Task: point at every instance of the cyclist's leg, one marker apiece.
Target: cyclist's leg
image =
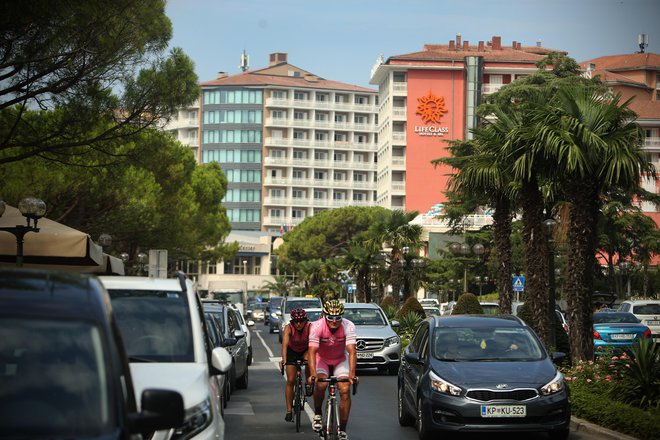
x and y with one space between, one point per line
341 371
319 391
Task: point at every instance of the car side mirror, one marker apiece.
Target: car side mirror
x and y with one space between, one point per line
160 409
238 334
229 342
250 323
558 356
394 323
220 361
413 358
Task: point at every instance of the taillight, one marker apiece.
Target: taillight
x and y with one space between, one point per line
647 333
597 335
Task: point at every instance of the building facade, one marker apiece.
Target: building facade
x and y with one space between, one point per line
291 144
430 97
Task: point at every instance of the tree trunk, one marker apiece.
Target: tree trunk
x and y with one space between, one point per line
536 260
580 264
502 237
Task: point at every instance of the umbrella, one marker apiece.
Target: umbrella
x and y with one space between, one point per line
56 246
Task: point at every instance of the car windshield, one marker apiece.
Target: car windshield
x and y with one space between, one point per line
615 318
313 315
258 306
646 309
155 324
304 304
488 344
53 381
359 316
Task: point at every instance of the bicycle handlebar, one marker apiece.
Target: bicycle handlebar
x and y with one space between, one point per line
297 362
334 379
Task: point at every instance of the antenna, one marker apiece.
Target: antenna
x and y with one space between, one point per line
643 42
245 61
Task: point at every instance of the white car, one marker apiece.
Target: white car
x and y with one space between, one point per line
160 321
245 327
293 302
647 311
429 302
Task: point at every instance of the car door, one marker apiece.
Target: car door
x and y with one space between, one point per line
240 350
412 371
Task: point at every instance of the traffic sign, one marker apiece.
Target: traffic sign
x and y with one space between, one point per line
519 283
350 288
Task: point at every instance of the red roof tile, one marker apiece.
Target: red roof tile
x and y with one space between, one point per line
633 61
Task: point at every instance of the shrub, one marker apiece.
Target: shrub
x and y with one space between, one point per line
407 324
467 304
412 305
388 301
641 384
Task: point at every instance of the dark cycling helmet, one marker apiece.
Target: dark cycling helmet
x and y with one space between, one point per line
333 308
298 314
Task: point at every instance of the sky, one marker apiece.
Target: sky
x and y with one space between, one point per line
340 40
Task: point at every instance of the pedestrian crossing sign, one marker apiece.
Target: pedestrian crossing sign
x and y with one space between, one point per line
519 283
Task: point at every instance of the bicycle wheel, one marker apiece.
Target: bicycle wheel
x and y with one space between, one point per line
331 430
297 407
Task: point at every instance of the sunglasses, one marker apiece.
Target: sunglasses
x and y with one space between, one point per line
333 318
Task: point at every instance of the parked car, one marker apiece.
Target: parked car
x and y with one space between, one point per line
245 326
647 311
617 331
273 313
162 324
431 302
221 384
560 315
293 302
377 343
490 307
431 311
462 373
235 341
64 372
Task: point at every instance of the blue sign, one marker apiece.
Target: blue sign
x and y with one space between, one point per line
519 283
350 288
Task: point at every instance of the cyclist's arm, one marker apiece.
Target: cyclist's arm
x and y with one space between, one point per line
311 362
286 334
352 361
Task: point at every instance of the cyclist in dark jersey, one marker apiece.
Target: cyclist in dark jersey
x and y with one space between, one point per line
295 340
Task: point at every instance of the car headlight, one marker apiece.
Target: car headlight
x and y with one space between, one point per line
442 386
273 315
554 386
394 340
196 420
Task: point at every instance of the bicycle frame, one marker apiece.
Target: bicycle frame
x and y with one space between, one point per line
298 391
331 428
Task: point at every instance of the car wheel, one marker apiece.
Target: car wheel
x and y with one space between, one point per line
422 424
405 418
242 382
249 358
559 435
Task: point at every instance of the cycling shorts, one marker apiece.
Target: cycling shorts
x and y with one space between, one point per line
340 366
292 356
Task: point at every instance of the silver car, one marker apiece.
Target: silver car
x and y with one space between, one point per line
377 345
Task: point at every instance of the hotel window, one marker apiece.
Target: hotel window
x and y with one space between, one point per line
361 138
320 195
297 213
338 195
319 175
299 154
279 94
359 119
320 155
361 99
340 117
321 97
297 134
358 197
321 117
340 98
278 114
273 173
298 174
340 137
359 177
276 213
300 116
298 194
340 176
339 157
276 193
277 153
321 136
300 96
358 157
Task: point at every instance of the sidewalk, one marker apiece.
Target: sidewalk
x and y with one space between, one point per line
579 425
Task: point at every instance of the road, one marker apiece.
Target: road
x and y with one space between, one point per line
258 412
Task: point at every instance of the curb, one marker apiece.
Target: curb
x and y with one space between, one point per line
580 425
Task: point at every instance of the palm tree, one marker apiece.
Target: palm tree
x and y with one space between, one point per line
394 231
280 287
595 146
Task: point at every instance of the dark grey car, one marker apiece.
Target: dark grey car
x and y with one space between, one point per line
483 373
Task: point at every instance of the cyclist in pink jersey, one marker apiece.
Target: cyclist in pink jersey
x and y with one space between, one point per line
332 352
295 340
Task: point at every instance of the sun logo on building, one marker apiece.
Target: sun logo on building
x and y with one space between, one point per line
431 108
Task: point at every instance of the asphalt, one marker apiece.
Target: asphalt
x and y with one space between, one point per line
579 425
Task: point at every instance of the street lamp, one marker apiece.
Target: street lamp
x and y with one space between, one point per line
481 281
549 224
458 249
142 259
625 269
105 240
245 267
32 209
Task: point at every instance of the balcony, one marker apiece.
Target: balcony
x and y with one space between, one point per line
652 143
399 137
487 89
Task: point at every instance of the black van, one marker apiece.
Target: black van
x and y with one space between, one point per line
63 369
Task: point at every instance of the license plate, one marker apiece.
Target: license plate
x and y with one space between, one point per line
363 355
503 410
653 322
622 336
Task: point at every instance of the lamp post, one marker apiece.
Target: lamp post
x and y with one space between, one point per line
625 269
245 267
481 281
105 240
32 209
142 259
462 251
549 225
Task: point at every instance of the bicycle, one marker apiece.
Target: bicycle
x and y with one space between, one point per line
330 431
298 390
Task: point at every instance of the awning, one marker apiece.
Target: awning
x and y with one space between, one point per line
55 246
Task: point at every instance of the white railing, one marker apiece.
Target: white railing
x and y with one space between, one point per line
487 89
400 86
652 142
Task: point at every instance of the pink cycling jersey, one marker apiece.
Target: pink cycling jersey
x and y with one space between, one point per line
331 346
